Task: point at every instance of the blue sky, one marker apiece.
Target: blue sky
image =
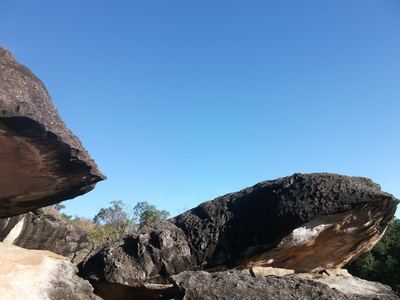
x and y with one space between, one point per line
180 102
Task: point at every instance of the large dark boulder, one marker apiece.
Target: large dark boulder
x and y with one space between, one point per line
137 260
304 222
42 162
44 230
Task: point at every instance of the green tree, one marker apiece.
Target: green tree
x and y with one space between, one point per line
68 218
148 214
59 206
117 220
382 263
113 222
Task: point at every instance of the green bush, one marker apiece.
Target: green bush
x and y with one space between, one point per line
382 263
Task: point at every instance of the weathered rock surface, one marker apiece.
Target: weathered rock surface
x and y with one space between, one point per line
356 288
304 222
243 285
40 275
50 232
42 162
352 287
137 260
227 285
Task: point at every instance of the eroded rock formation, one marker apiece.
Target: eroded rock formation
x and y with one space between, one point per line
40 275
44 230
230 285
42 162
352 287
301 223
241 285
304 222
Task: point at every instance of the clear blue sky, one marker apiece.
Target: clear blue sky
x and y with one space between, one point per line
183 101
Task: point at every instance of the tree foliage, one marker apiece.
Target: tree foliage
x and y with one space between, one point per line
59 206
148 214
382 263
117 220
114 222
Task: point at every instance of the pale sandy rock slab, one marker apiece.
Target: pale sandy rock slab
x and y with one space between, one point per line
269 271
356 288
42 162
40 275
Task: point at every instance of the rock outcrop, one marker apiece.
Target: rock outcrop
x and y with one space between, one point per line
356 288
304 222
42 162
352 287
241 286
245 285
44 230
40 275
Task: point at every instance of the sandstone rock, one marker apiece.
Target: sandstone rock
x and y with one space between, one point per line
229 286
304 222
40 275
50 232
356 288
42 162
136 260
269 271
324 274
232 285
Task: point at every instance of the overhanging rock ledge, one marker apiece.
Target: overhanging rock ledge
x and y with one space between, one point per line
42 161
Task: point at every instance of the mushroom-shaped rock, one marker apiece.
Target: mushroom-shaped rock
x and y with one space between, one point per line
42 162
304 222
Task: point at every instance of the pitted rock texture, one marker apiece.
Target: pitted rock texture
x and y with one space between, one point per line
235 285
352 287
266 224
304 222
356 288
44 230
42 162
228 285
136 260
40 275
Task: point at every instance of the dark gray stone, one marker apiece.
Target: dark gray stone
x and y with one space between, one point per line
239 285
238 229
157 252
42 162
304 222
230 286
44 230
